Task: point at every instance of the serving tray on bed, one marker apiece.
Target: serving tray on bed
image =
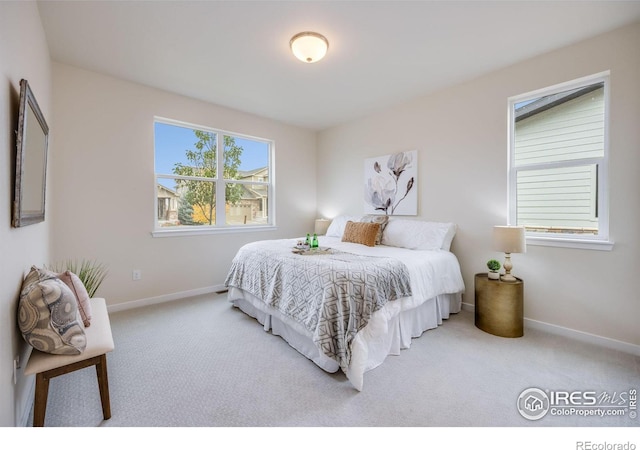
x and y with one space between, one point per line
313 251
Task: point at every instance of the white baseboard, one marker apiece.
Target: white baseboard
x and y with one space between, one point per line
165 298
581 336
468 307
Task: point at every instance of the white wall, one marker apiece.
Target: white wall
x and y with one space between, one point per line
103 198
23 54
461 136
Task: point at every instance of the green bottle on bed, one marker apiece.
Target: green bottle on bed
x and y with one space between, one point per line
307 242
314 243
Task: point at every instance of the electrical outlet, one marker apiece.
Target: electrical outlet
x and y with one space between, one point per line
137 275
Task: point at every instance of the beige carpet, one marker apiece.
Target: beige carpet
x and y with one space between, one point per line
199 362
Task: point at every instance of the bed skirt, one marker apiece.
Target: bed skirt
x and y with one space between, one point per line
389 330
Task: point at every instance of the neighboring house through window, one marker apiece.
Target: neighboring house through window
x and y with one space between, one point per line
210 180
558 159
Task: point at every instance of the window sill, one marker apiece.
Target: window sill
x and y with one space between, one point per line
585 244
205 231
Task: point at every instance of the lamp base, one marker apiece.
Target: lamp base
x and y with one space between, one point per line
507 269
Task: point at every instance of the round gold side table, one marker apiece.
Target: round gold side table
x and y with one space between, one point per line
499 306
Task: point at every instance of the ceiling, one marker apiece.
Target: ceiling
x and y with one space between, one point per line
236 53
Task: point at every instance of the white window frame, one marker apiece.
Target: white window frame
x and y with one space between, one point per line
600 241
219 186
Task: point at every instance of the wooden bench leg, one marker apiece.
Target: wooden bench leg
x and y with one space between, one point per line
103 384
40 401
42 386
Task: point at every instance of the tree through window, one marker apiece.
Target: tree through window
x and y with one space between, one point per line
200 183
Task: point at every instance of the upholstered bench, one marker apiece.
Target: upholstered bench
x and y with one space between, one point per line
46 366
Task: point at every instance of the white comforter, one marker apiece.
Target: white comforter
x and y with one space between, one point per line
433 272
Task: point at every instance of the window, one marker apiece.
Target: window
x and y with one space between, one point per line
558 158
209 180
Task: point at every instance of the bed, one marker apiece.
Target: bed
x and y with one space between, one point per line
347 306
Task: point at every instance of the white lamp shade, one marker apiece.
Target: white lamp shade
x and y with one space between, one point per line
309 47
322 225
509 239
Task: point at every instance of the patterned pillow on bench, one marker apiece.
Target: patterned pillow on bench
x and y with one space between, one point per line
48 315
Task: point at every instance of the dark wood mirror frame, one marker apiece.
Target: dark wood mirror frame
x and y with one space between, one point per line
31 161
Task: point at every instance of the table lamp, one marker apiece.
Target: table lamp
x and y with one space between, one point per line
509 239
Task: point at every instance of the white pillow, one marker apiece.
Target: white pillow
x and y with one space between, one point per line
418 234
338 224
449 235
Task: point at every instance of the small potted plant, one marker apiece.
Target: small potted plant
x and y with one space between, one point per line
494 266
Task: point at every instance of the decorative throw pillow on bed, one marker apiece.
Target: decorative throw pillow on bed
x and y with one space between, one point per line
48 315
361 233
338 224
79 291
377 218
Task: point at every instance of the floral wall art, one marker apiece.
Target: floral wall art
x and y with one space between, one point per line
390 184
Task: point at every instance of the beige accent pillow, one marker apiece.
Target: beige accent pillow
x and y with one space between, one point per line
377 218
361 233
336 227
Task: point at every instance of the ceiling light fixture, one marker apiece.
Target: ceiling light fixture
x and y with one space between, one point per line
308 46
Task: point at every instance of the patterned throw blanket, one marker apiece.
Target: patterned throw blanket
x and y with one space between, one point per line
332 294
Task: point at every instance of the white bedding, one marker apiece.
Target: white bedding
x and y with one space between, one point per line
436 286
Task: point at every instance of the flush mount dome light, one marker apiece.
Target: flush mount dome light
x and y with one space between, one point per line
308 46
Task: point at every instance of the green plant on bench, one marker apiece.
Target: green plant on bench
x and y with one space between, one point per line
91 273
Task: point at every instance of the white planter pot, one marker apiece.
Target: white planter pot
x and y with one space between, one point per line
494 275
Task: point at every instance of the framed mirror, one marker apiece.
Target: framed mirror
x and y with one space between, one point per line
31 161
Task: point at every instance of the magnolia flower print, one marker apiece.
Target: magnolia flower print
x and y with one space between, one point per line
381 191
398 163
